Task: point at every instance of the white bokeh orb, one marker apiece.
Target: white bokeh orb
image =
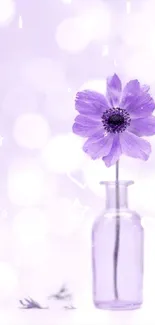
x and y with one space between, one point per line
139 65
140 59
67 216
25 182
136 169
67 1
71 36
44 74
144 32
139 198
96 21
63 153
7 11
98 85
96 16
8 280
30 251
95 171
30 226
31 131
91 23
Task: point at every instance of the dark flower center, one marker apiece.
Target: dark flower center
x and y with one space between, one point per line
115 120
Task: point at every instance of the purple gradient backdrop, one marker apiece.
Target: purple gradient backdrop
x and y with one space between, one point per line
49 190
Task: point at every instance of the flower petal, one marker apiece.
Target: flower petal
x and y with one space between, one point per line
145 88
101 133
87 121
91 103
115 152
131 88
86 130
143 126
98 148
139 106
135 147
114 89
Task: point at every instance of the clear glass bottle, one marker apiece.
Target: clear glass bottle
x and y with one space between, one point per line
117 287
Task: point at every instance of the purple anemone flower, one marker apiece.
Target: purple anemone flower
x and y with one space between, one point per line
114 124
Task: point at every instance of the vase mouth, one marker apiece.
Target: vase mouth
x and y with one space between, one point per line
113 183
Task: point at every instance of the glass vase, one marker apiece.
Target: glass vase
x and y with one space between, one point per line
117 253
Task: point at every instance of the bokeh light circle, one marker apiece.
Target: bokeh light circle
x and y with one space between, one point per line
31 225
25 182
95 171
31 131
63 153
71 36
98 85
7 11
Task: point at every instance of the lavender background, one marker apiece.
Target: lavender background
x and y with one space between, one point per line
49 189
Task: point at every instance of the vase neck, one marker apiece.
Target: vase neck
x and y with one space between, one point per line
117 194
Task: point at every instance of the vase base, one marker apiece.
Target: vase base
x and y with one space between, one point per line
117 305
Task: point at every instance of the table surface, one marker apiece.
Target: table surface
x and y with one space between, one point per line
14 316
